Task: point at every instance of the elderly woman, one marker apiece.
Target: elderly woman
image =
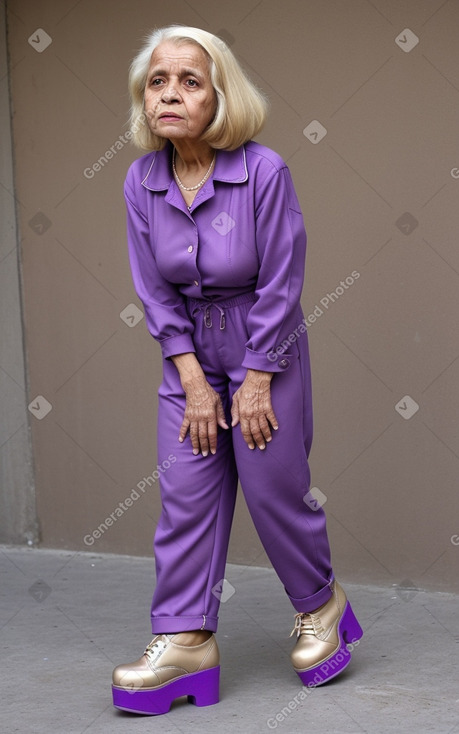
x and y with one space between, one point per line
217 248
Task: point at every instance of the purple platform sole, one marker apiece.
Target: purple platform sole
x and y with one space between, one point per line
349 632
202 689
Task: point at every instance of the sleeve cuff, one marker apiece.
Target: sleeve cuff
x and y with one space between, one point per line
177 345
267 362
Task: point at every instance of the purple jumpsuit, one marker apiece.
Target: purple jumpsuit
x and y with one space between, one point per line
223 278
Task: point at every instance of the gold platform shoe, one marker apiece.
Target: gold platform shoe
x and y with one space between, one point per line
166 671
325 639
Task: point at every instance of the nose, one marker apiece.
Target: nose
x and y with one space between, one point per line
170 94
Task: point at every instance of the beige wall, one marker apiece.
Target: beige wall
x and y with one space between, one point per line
17 497
391 113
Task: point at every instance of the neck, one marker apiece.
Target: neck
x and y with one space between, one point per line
192 156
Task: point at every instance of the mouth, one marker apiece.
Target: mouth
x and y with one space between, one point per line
169 116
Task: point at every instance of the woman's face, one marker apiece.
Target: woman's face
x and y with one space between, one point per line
180 101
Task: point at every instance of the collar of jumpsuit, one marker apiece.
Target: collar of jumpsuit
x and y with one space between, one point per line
230 167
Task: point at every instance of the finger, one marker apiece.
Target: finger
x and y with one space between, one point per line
221 419
247 433
270 415
265 428
212 436
194 436
257 433
203 433
184 429
234 411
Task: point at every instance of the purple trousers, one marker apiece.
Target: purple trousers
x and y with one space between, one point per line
198 493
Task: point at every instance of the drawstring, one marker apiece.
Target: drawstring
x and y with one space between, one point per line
208 315
204 306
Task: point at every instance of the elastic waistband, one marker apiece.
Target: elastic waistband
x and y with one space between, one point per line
205 305
223 303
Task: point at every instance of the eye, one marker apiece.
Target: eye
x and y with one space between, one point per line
192 83
155 82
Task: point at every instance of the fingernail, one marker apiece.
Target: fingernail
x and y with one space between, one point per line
212 451
195 452
269 439
204 453
262 446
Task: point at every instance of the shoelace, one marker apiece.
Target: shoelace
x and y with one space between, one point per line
157 647
307 624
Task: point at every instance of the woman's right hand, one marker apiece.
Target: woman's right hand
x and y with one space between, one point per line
203 411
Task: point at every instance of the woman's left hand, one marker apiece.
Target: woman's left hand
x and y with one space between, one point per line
252 408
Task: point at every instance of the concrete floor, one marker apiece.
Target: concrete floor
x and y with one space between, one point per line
68 618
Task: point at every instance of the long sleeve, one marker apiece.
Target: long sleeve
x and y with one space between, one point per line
281 247
165 310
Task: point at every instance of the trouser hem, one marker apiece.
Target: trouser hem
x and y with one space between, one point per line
310 603
169 625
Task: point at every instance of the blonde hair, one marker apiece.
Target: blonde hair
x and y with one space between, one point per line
241 107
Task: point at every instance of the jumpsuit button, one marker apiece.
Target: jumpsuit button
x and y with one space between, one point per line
195 282
190 248
284 363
